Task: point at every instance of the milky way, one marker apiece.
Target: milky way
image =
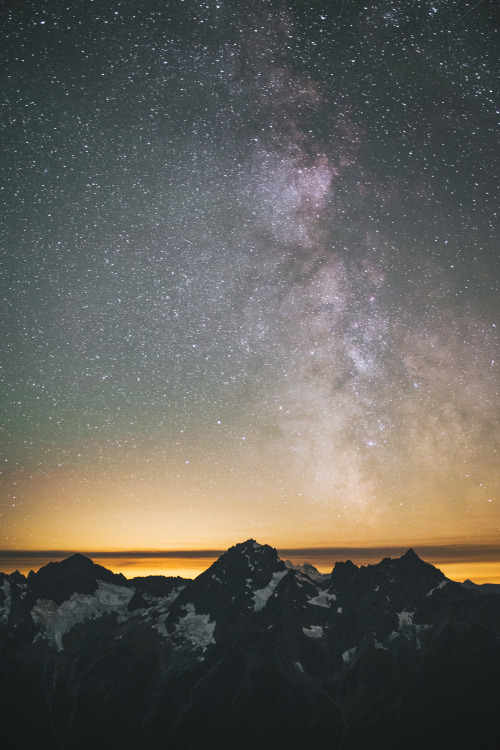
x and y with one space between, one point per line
250 272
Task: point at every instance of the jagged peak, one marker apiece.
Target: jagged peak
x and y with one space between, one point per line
249 544
410 554
249 554
344 571
345 565
411 559
252 548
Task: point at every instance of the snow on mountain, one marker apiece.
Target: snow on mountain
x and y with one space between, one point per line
349 655
315 631
436 588
198 629
6 603
261 596
308 570
57 620
323 599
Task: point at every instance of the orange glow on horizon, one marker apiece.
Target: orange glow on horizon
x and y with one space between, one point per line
479 571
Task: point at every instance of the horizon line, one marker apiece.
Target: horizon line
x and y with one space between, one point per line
443 551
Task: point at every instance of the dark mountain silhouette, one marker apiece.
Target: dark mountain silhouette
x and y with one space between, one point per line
77 574
253 652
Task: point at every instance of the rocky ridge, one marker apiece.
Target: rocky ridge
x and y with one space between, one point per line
254 650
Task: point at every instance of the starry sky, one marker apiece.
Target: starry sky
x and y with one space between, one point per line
250 273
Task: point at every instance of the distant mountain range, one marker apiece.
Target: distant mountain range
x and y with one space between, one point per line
253 653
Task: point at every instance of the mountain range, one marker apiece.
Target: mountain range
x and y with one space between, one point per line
254 652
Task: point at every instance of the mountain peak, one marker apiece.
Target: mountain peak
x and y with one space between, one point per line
414 574
76 574
77 558
344 573
410 554
233 580
253 550
410 560
59 580
249 544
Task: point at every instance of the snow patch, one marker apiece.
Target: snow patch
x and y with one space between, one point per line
405 620
439 586
261 596
161 608
307 570
315 631
6 605
196 628
323 599
407 628
160 605
349 655
160 625
55 621
112 597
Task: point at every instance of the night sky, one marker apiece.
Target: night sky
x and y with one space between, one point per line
250 273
